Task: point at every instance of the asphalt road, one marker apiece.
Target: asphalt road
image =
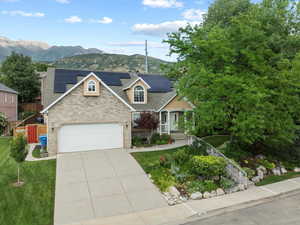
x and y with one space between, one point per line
282 211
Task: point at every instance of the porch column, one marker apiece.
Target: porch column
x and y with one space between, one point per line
160 122
169 123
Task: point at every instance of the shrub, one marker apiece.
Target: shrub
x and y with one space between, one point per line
235 152
165 138
209 185
194 186
162 179
165 161
208 166
137 141
154 138
265 163
201 186
226 183
250 172
181 156
3 122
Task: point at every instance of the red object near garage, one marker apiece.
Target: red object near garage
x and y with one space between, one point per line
32 136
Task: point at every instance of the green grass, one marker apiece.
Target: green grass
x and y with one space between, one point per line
36 153
146 159
33 203
216 140
273 179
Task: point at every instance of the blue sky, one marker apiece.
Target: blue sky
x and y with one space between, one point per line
116 26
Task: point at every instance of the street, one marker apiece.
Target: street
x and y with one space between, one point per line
283 211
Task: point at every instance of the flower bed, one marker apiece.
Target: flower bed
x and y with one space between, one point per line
265 166
186 173
155 139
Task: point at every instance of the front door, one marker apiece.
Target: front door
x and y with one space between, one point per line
174 121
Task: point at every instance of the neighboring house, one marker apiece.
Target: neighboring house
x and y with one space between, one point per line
9 102
87 110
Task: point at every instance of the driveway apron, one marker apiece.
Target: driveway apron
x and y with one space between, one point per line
102 183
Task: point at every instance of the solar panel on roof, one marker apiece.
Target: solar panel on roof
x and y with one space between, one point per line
157 83
64 77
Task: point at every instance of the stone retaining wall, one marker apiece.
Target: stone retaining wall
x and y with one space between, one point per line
233 169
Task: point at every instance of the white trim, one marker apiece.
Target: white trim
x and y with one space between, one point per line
141 79
145 92
79 83
94 83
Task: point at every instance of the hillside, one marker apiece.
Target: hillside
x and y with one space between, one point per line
40 51
110 62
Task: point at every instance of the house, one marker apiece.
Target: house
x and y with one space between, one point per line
89 110
9 102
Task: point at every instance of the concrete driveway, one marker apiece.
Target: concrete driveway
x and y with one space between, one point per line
101 183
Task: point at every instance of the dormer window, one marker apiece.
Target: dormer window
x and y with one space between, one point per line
139 94
91 87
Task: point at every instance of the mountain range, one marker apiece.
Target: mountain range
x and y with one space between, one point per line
77 57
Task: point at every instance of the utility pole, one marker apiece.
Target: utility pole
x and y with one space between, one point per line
146 54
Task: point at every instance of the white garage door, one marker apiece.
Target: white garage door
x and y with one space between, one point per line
85 137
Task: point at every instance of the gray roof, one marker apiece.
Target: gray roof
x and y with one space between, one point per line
7 89
155 100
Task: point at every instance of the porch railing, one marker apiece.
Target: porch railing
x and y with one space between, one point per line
164 128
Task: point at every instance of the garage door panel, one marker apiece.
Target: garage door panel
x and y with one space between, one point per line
84 137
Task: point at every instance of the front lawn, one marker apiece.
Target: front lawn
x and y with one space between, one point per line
187 168
273 179
33 203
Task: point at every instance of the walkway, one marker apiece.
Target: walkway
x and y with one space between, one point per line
176 144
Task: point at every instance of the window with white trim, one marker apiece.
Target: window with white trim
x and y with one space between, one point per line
91 86
139 94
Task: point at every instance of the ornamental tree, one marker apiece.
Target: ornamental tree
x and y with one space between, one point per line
147 121
18 151
3 122
242 74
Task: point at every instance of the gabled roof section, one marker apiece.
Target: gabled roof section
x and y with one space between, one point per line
64 77
78 84
7 89
134 82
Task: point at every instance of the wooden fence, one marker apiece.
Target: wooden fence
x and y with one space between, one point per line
31 107
31 131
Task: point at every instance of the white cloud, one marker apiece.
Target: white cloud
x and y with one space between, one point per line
193 14
73 19
104 20
138 44
163 3
22 13
63 1
162 28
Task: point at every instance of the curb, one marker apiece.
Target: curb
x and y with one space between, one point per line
205 215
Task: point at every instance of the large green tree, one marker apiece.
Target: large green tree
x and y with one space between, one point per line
18 72
242 70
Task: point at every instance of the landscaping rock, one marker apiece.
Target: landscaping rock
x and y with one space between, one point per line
263 169
297 169
260 156
283 170
220 192
255 179
206 194
173 190
213 194
241 187
276 171
183 198
260 174
196 195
